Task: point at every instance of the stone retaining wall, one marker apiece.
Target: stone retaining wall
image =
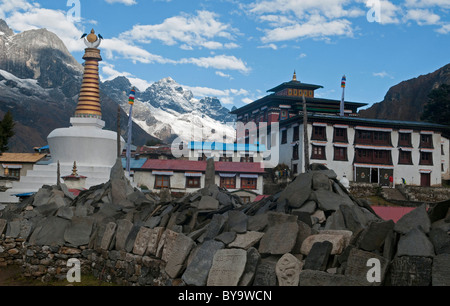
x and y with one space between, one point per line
48 264
311 233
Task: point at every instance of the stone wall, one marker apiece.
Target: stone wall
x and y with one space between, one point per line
311 233
362 190
428 194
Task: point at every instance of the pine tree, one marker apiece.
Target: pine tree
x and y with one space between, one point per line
6 131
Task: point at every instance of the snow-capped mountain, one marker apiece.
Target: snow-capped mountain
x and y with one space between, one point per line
166 110
40 82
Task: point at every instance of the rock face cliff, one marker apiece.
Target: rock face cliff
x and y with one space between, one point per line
406 101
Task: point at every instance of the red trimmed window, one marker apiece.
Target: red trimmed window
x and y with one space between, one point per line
228 182
426 141
162 181
405 158
319 133
340 154
426 158
193 182
404 140
340 135
247 159
248 183
318 152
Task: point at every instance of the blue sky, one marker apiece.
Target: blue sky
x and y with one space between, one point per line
236 51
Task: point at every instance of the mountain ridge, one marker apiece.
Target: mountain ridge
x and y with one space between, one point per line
40 82
406 100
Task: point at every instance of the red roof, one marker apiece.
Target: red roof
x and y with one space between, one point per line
391 213
260 197
200 166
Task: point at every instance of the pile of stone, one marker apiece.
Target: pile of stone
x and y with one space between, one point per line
312 233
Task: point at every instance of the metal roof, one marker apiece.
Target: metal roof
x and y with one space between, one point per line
134 163
21 157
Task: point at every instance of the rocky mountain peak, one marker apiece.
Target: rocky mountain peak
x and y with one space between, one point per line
5 29
406 100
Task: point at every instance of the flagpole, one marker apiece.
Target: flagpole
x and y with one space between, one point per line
130 129
342 108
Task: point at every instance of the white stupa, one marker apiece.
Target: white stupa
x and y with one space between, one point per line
86 142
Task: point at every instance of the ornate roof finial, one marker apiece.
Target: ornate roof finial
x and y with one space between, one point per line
294 78
74 170
92 40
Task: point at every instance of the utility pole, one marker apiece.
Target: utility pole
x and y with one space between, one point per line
305 134
119 154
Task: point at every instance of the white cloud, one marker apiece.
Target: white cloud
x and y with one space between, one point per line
226 96
11 6
53 20
427 3
221 62
422 17
108 72
382 74
247 100
445 29
293 19
131 52
268 46
224 75
126 2
312 28
301 9
190 31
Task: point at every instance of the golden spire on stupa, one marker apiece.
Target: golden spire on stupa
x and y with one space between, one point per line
89 100
294 78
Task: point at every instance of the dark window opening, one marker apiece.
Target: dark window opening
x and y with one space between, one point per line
283 136
340 154
295 152
426 158
162 181
319 133
249 183
340 135
404 140
318 152
405 158
228 182
426 141
193 182
296 134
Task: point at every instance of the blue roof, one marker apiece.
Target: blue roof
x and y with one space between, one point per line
220 146
134 163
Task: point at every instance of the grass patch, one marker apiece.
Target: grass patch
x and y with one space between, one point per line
12 276
378 201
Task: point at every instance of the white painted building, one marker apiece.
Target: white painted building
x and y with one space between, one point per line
184 176
368 150
364 150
